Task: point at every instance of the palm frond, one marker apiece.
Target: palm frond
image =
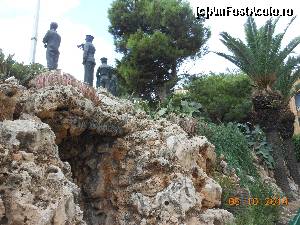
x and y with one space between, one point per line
261 57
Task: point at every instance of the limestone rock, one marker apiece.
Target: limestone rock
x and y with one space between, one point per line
9 92
29 196
66 156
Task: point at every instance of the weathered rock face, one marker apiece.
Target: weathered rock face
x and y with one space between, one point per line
129 169
10 91
33 186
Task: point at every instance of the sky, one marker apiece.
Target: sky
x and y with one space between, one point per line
76 18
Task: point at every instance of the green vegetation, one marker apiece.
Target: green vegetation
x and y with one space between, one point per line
257 141
181 105
155 37
273 70
232 143
9 67
260 214
237 147
226 97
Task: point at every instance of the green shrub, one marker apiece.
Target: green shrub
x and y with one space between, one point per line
260 214
296 140
245 214
24 73
228 189
226 97
258 142
232 143
180 104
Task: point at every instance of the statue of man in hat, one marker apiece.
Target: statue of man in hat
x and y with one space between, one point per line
88 59
105 77
103 74
52 42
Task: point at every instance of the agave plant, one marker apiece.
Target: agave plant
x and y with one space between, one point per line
273 71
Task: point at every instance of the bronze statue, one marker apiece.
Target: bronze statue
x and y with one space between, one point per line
52 42
88 59
103 74
106 78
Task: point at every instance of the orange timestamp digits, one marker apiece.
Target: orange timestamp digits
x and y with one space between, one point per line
252 201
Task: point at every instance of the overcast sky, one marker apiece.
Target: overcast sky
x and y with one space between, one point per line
76 18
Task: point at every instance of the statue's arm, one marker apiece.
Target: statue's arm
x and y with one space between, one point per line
45 39
85 52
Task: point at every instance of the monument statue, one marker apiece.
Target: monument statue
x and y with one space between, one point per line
52 42
106 78
88 59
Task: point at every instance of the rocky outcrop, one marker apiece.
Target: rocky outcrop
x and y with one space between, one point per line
119 166
33 186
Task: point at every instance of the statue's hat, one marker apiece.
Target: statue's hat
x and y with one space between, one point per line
103 60
53 25
89 37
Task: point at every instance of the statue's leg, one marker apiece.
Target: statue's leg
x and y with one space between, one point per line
91 76
50 56
89 73
107 84
102 82
97 82
113 89
55 60
112 86
86 72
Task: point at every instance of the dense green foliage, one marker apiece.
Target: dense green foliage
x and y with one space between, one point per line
180 104
249 215
273 69
231 142
225 97
155 37
235 146
9 67
296 140
262 57
260 214
257 141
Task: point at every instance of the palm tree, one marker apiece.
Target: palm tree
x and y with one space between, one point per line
273 71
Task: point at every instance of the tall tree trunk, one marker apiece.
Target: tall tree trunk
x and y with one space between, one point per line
268 107
286 128
280 175
291 161
165 88
162 92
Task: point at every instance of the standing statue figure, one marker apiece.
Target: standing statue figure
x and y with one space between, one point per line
103 74
52 42
113 85
88 59
106 78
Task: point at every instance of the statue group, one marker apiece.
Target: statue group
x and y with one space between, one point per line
105 73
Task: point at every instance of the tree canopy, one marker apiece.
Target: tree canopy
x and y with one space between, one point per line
225 97
262 57
155 37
